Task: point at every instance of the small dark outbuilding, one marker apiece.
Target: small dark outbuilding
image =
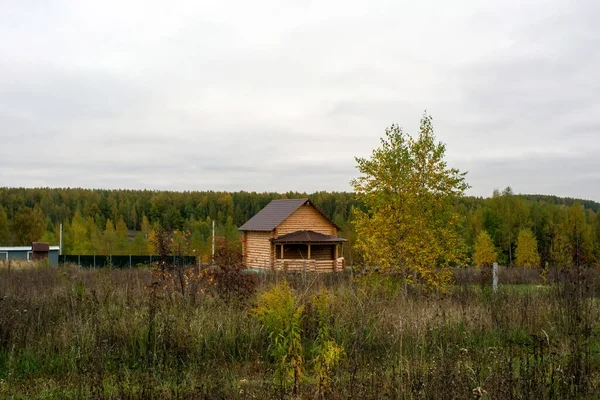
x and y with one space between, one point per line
39 250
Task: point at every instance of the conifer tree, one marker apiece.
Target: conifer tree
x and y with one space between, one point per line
77 239
28 225
527 255
121 235
485 253
5 236
108 238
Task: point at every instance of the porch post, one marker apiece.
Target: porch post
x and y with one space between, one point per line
336 251
282 251
309 251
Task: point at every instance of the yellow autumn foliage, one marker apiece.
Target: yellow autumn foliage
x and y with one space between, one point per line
409 226
485 253
527 255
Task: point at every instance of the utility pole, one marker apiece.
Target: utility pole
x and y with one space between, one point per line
213 241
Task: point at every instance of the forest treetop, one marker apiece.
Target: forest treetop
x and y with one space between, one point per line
131 212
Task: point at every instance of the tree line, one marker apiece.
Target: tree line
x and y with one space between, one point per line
532 231
560 230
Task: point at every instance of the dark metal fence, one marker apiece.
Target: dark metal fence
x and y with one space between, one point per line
129 261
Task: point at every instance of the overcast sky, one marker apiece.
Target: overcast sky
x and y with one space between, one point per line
258 95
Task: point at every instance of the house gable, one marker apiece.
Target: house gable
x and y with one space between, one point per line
305 218
272 215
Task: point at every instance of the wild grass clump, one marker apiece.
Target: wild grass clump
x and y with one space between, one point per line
506 275
281 314
16 265
113 334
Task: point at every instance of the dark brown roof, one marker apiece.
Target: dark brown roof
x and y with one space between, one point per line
272 215
275 213
307 237
40 246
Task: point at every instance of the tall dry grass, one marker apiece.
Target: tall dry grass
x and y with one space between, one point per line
75 333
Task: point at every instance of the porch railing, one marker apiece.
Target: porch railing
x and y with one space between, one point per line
311 265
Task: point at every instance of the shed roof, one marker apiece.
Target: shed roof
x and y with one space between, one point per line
274 214
307 237
40 246
24 248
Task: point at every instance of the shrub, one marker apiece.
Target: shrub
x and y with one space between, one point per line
232 280
281 315
326 352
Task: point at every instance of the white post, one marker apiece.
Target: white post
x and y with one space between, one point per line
60 244
213 241
495 277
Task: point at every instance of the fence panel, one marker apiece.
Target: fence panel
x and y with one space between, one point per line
86 261
141 260
126 261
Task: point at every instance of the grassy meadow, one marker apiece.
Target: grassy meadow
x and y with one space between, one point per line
70 333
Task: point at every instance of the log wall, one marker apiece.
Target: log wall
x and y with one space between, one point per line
322 251
294 251
306 218
309 265
258 250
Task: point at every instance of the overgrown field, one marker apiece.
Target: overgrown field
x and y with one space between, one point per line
120 334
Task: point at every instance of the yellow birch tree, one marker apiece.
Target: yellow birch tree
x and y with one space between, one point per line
409 225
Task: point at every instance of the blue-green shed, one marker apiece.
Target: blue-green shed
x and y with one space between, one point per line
25 253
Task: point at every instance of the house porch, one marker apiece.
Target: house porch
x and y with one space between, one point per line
308 251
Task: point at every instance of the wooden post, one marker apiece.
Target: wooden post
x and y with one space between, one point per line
336 255
495 277
308 251
282 251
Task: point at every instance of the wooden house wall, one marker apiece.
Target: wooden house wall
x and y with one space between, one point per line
309 265
322 252
294 251
306 218
258 250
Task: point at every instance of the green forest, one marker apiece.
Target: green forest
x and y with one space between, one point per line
122 221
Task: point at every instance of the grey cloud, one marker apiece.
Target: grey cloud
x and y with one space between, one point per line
205 98
66 95
570 176
374 108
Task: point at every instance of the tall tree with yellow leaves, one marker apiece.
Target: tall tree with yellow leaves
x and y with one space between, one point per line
410 224
28 225
485 253
527 255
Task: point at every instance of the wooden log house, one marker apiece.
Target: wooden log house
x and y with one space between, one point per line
292 235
